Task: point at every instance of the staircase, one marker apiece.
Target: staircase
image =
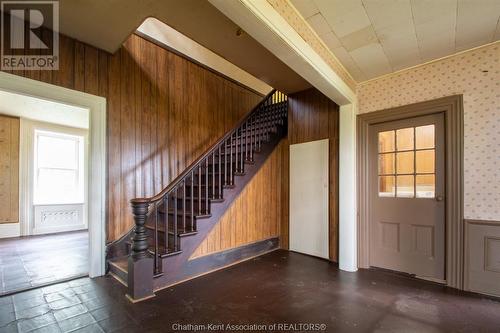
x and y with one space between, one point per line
170 225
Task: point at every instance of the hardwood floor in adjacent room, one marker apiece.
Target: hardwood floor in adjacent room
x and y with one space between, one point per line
31 261
279 287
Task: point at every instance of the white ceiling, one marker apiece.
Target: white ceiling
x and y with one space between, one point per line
375 37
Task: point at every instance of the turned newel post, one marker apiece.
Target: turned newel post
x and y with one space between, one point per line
140 239
140 261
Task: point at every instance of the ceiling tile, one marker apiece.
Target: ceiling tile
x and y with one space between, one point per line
433 12
359 38
331 40
306 8
393 23
476 22
436 46
497 32
435 23
375 37
345 17
318 23
345 58
372 60
386 14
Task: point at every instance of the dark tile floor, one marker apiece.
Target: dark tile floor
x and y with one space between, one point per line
36 260
280 287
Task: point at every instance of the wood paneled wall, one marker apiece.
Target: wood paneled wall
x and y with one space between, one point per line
255 215
9 169
312 116
163 111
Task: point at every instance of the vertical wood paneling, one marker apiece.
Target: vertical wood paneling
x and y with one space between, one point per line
255 215
9 166
163 111
312 116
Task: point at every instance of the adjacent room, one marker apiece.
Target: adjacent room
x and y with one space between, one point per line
44 220
250 166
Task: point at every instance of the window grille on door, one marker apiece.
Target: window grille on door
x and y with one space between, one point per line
406 162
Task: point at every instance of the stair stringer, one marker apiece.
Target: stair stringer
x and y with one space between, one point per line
178 268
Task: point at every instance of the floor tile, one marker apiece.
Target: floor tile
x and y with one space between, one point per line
37 260
35 323
77 322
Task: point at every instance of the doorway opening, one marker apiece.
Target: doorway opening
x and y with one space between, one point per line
52 221
398 200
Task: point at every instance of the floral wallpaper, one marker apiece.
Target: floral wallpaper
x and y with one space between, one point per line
299 24
476 75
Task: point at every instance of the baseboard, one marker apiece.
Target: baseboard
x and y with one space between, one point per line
207 264
10 230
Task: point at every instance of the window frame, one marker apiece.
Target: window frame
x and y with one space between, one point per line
80 178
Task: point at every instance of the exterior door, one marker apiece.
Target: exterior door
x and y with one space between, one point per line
407 222
309 198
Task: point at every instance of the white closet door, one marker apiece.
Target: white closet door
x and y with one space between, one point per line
309 198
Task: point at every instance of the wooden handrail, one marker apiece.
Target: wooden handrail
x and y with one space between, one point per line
160 220
173 184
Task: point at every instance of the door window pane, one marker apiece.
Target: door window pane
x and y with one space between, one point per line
425 137
386 164
405 162
425 161
387 186
425 186
404 138
405 186
386 142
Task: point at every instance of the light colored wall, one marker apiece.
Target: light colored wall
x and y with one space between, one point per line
158 31
460 74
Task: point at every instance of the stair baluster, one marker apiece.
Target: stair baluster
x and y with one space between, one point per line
193 187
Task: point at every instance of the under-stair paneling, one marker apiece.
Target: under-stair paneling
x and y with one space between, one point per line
163 111
254 216
313 116
9 166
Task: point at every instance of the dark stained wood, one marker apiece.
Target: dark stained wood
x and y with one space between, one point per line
163 112
312 116
254 216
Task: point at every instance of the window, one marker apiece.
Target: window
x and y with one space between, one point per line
58 168
406 162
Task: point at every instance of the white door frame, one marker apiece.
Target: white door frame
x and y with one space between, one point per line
97 154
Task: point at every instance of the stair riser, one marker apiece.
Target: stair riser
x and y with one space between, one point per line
254 141
161 242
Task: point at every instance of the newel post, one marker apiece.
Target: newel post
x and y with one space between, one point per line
140 261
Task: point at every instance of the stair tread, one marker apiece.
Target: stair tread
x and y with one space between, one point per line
188 212
181 231
119 262
245 141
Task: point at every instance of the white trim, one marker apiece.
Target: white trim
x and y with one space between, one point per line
9 230
425 63
327 48
348 258
154 29
97 157
268 27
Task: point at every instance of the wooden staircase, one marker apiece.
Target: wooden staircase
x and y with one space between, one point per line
170 225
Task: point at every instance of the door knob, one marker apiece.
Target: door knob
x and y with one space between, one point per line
439 198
